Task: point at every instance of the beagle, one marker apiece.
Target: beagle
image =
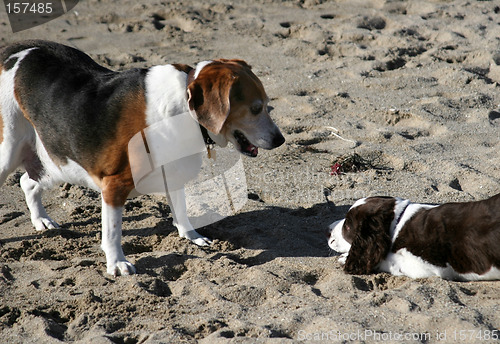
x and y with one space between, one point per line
65 118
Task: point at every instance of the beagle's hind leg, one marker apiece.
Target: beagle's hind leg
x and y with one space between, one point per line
10 158
33 193
16 149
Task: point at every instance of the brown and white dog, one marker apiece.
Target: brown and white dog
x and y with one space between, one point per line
65 118
459 241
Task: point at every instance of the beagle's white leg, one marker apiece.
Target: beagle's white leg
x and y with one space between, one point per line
116 263
33 193
177 202
10 155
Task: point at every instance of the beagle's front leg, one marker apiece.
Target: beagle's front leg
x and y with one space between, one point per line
177 200
116 262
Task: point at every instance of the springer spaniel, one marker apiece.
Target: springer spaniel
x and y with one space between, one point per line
459 241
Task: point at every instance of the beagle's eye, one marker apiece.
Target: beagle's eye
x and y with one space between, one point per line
256 109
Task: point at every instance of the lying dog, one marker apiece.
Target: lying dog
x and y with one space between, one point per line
458 241
65 118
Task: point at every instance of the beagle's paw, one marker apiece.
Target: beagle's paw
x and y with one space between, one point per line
343 258
196 238
121 268
44 222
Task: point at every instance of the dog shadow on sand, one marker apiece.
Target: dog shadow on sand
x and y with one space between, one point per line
270 232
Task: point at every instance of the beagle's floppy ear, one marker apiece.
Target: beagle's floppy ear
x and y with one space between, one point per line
208 97
238 61
371 244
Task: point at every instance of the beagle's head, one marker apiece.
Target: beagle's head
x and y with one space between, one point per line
230 102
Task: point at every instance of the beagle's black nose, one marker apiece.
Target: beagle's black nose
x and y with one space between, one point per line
278 140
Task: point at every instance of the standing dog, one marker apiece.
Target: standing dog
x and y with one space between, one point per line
65 118
454 241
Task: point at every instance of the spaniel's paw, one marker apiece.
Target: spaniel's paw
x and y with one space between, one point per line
343 258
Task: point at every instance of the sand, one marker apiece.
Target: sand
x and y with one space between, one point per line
411 87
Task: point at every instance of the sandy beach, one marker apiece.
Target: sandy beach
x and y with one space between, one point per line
408 91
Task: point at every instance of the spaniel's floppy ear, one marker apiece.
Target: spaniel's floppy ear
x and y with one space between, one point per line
371 244
208 96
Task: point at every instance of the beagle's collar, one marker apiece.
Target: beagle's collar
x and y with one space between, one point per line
206 137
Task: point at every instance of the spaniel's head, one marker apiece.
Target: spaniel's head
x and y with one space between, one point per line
364 236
